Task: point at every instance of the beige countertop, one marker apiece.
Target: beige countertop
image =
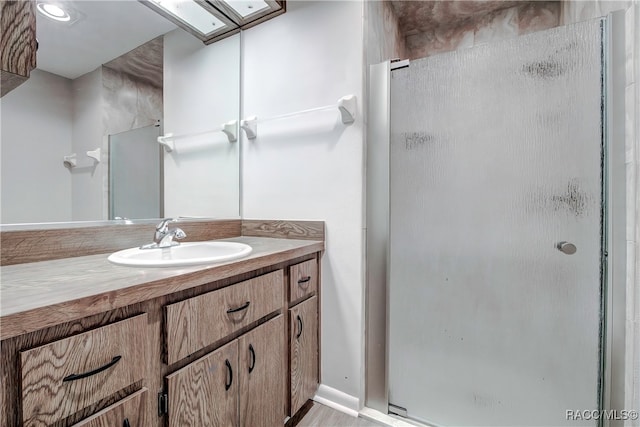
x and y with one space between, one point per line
42 294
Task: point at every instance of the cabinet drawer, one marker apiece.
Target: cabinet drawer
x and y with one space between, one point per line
128 412
303 280
201 321
65 376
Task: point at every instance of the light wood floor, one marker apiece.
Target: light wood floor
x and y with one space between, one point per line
323 416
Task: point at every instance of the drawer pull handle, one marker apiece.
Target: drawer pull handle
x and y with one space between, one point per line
252 352
126 423
304 280
227 385
300 325
74 377
242 307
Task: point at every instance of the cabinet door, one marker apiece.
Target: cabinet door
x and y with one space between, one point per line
205 392
128 412
262 375
303 345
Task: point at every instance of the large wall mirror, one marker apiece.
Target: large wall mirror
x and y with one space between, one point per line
79 137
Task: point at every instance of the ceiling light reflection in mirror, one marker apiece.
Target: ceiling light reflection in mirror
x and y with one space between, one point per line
53 11
246 7
193 14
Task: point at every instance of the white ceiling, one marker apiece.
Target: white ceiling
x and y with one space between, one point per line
104 31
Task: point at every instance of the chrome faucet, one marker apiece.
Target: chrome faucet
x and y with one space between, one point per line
164 236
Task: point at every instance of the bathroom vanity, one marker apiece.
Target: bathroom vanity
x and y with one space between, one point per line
89 343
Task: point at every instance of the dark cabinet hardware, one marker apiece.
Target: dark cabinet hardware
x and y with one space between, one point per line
74 377
306 279
126 423
227 386
252 352
300 325
242 307
163 403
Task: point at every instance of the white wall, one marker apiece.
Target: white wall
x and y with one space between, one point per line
311 167
201 92
87 179
36 134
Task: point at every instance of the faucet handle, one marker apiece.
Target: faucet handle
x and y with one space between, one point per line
178 233
164 224
168 239
163 236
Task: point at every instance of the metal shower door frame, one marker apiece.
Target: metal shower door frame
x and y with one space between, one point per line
614 244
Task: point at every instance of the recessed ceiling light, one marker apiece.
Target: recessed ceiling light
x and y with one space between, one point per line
53 11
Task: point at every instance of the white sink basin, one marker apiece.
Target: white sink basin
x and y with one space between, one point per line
192 253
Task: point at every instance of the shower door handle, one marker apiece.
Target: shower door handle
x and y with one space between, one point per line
566 248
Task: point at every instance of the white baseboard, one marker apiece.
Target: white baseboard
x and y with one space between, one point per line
337 400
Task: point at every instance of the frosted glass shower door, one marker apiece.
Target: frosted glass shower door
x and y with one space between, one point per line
496 156
135 174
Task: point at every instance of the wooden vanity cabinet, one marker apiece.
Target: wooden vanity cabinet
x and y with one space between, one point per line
128 412
18 43
240 384
205 392
65 376
262 375
303 333
200 321
201 356
303 352
303 281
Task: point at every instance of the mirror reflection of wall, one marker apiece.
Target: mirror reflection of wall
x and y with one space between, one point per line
117 68
201 92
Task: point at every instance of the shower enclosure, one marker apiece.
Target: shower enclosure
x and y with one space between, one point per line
498 229
135 174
